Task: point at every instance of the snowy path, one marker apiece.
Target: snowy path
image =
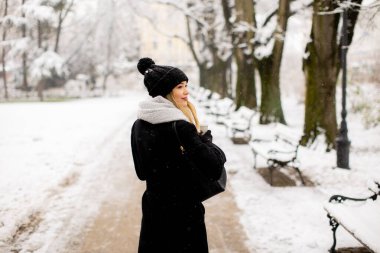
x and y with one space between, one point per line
116 228
68 174
54 158
117 225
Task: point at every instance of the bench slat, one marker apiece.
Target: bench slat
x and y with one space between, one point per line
285 151
362 220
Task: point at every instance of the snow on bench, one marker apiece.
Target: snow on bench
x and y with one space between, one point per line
359 216
280 151
202 94
211 100
222 108
238 124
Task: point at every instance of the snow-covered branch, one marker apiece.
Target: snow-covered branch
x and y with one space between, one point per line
12 21
39 12
46 64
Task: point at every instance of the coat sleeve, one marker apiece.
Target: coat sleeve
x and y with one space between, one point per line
139 168
205 155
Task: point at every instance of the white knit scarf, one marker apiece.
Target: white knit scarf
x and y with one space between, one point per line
159 110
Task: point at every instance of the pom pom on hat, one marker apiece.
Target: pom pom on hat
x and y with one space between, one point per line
144 64
158 79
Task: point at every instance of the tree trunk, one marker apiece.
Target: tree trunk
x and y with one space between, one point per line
321 69
190 44
215 77
24 72
24 57
269 69
243 51
109 49
59 29
39 34
270 107
40 88
3 54
202 75
105 78
245 81
64 9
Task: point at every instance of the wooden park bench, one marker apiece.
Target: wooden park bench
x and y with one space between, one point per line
238 125
359 216
210 101
221 109
279 152
202 95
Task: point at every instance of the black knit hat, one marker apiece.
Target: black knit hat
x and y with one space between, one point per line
159 79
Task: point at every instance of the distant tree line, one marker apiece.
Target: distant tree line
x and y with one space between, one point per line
46 42
227 31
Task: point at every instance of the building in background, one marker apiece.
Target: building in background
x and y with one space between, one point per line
162 34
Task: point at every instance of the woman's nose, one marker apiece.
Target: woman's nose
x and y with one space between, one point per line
186 91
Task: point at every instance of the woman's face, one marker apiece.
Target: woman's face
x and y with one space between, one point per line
180 94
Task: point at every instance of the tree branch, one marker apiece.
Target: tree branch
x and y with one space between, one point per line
68 9
154 25
293 12
190 43
185 12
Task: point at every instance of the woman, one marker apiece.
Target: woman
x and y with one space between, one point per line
173 219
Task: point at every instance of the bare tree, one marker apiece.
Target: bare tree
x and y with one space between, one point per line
205 34
3 61
63 8
321 68
242 35
24 55
109 38
214 68
269 69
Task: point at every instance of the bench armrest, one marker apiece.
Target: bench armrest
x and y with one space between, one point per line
273 151
341 198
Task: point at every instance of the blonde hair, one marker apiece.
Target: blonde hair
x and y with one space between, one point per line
189 111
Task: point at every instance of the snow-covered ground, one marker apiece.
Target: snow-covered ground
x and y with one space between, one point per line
292 219
52 159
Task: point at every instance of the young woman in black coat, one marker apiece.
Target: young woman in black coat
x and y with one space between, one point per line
173 218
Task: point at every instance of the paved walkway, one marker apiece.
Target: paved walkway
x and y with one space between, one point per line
116 229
